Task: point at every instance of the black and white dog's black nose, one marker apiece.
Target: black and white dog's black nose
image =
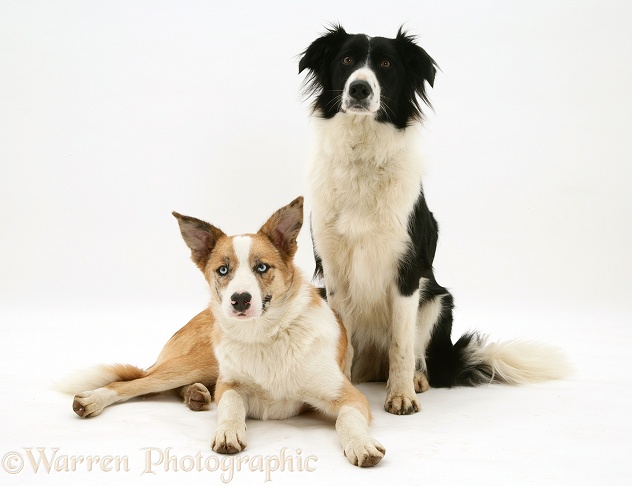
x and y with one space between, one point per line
360 90
240 301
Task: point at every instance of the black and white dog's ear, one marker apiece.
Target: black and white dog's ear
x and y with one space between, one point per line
421 66
315 56
200 236
283 227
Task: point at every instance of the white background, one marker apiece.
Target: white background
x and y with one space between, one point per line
113 114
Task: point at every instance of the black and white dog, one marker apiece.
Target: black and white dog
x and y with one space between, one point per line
374 236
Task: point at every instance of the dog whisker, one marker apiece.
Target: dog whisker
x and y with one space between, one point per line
384 108
336 99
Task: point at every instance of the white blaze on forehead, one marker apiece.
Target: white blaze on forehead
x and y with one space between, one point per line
242 245
243 278
364 74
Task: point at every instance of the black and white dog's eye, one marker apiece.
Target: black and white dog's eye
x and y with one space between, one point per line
223 270
347 60
262 268
385 64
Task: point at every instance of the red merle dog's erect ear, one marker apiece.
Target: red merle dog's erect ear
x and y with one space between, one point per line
200 236
283 227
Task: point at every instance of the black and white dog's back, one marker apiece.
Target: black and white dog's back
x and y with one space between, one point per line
374 236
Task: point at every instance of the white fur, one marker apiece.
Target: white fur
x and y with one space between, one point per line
230 435
95 377
290 354
429 314
96 400
365 179
86 379
243 280
364 182
278 363
354 434
517 362
373 101
402 345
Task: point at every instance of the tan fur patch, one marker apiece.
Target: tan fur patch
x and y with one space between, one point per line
282 228
343 343
220 388
350 395
316 299
223 255
279 276
186 358
216 337
125 372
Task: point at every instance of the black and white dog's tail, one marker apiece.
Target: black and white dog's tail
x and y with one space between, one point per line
514 362
473 361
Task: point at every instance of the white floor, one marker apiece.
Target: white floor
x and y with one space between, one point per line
575 431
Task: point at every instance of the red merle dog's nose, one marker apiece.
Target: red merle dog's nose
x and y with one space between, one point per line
240 301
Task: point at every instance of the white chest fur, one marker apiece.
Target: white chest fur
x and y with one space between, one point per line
365 179
278 374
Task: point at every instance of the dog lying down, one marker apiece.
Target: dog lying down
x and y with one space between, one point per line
268 343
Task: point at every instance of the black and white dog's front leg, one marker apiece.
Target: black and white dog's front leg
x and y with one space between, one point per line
401 398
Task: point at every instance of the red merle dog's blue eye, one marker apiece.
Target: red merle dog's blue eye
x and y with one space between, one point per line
223 270
262 268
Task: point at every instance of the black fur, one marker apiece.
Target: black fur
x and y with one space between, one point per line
417 261
403 84
446 364
451 365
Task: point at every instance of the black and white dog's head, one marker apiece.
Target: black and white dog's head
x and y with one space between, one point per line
375 76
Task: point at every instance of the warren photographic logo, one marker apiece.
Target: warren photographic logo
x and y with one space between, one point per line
44 461
48 460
